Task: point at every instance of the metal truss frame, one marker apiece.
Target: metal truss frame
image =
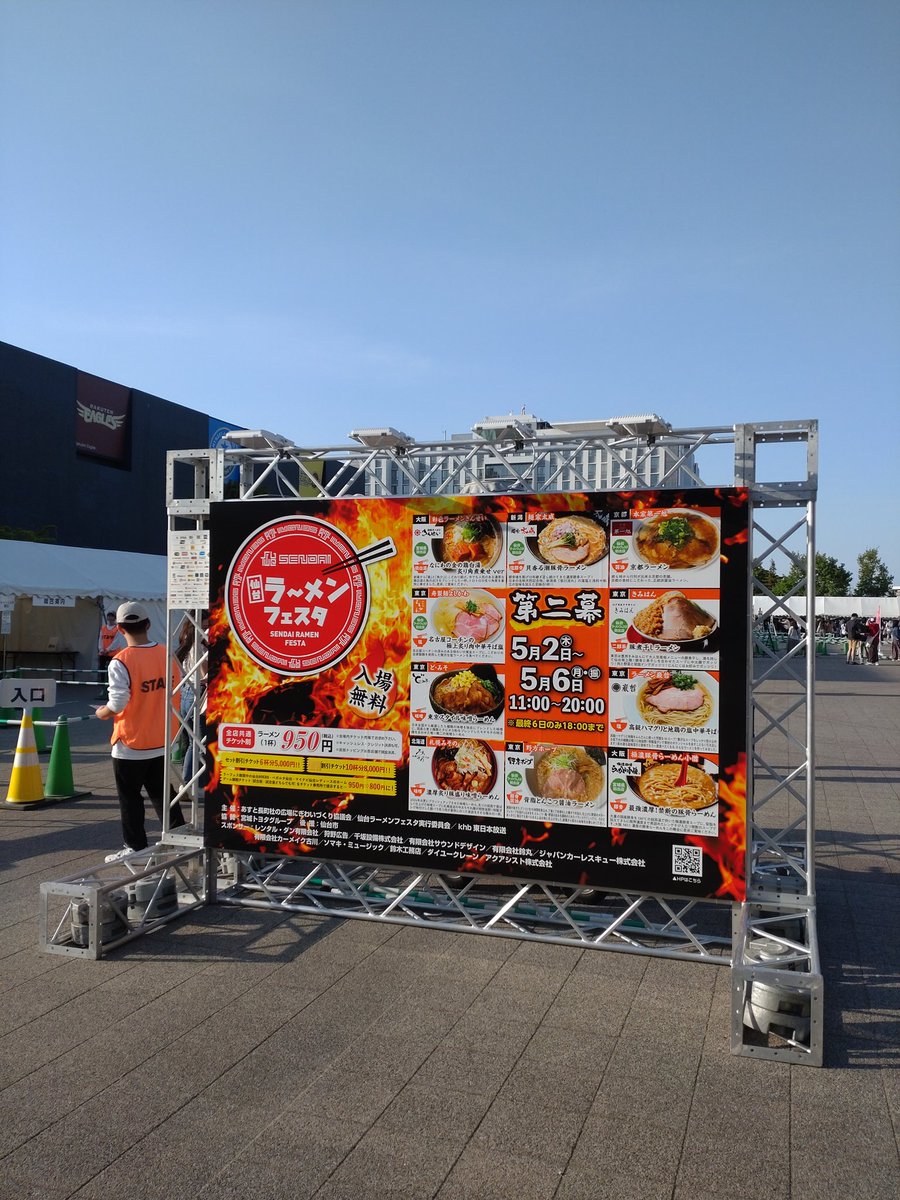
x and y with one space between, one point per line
585 917
88 914
771 944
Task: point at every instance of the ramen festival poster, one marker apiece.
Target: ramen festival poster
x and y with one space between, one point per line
544 687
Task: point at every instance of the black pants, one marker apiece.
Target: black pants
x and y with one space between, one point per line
131 775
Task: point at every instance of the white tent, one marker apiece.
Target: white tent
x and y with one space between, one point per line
836 606
56 597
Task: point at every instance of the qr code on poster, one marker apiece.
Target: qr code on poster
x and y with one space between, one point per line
687 860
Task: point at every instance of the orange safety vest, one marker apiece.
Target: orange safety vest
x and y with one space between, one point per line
142 723
107 637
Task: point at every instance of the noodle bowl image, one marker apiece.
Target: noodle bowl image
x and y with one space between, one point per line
567 773
474 691
678 538
676 699
669 785
671 617
469 766
474 614
571 541
472 539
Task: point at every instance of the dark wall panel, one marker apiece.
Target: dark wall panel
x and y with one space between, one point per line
45 482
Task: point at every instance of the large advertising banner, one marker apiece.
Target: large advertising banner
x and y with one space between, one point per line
102 419
546 687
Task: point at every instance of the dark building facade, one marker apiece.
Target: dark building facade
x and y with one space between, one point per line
83 458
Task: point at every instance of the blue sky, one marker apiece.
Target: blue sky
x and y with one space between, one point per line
314 215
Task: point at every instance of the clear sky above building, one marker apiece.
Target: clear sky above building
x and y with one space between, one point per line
316 215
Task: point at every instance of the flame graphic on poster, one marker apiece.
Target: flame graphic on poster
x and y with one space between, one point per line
243 692
728 850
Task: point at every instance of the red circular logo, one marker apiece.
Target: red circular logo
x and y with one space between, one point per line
297 595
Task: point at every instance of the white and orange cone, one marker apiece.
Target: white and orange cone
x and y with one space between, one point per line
25 783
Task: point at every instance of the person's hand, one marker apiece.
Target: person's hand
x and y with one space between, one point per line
104 713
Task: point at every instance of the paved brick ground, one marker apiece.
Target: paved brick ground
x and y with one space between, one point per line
245 1054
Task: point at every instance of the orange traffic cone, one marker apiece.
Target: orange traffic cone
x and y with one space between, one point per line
25 784
60 783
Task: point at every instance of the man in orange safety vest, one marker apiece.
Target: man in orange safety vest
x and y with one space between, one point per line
111 640
143 730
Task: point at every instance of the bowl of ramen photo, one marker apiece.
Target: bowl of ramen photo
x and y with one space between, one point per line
467 766
677 698
675 784
472 615
474 539
573 540
673 619
474 692
567 773
678 538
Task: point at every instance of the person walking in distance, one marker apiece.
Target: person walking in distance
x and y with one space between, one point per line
895 641
142 729
872 642
109 642
852 634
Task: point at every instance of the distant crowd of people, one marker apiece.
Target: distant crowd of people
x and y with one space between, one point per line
866 638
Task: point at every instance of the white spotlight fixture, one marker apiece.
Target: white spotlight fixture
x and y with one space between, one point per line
382 439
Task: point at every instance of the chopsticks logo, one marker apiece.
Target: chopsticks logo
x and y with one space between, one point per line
298 594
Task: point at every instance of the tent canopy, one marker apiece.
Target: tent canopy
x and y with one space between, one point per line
55 597
70 572
835 606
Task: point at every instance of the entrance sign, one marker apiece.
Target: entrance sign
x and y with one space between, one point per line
548 687
27 693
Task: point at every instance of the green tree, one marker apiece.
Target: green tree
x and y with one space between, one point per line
796 575
832 577
873 577
767 575
9 533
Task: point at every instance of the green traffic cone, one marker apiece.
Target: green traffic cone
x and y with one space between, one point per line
60 784
40 739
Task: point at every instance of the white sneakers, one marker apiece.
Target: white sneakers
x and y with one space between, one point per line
123 853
